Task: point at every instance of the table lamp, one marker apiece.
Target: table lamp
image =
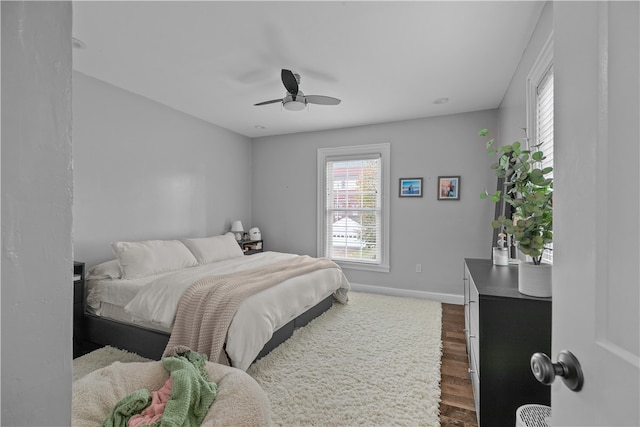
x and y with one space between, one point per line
237 229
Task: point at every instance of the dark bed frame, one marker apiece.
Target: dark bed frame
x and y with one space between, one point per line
99 331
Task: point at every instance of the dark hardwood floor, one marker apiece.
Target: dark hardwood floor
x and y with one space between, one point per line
456 406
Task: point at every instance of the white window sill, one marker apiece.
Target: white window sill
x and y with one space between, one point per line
346 265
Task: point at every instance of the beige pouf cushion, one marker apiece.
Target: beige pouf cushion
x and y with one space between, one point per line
240 400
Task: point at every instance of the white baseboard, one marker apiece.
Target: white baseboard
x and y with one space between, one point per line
435 296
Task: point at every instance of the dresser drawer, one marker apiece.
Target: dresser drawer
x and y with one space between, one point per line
475 384
474 355
473 306
466 279
473 359
474 329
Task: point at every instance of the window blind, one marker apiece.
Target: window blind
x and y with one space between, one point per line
544 119
353 208
544 133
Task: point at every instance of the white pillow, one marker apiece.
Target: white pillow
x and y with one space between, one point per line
214 248
105 270
149 257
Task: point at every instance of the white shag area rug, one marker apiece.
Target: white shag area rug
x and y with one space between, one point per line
372 362
101 358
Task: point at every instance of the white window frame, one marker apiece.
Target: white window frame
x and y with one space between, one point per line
384 149
543 64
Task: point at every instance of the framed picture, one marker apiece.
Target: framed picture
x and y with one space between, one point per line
449 188
410 187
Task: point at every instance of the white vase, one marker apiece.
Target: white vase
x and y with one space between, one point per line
500 256
534 280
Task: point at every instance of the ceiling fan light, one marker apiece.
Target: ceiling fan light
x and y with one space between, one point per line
296 105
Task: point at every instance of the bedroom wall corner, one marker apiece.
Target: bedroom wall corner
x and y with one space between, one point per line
37 188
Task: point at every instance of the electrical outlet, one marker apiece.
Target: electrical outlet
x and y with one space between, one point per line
418 268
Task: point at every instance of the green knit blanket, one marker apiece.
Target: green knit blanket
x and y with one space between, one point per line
191 395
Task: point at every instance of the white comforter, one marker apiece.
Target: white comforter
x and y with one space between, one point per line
257 317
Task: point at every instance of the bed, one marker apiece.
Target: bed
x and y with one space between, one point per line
133 302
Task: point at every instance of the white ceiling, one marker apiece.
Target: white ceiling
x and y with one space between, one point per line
387 61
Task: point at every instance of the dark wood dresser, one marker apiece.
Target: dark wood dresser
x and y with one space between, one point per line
503 329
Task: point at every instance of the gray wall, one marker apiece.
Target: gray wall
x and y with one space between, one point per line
37 289
513 108
146 171
436 234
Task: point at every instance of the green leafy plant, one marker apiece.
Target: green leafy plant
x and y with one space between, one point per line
529 190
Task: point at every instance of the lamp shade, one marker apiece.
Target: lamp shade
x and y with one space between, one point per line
292 105
236 227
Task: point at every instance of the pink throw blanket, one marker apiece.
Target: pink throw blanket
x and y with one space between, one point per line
206 309
153 413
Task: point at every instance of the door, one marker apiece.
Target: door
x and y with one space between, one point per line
597 220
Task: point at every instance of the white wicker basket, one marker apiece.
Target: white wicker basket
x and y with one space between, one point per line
533 416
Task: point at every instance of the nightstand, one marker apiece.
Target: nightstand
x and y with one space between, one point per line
250 247
78 307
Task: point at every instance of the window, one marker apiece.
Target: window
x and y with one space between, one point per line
353 201
540 114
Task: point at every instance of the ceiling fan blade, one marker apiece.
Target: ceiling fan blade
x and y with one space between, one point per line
290 82
273 101
322 100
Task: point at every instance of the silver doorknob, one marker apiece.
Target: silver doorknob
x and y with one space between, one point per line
567 367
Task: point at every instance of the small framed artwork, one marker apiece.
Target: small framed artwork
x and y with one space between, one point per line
449 188
410 187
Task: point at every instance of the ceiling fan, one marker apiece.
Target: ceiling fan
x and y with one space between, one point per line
295 100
